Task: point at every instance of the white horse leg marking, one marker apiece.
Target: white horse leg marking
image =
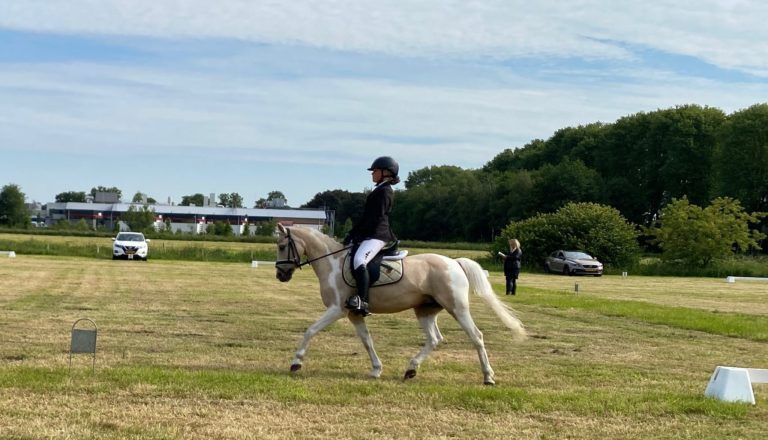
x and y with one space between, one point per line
476 336
440 337
365 336
429 324
331 315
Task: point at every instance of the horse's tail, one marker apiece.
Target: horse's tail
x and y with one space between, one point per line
480 284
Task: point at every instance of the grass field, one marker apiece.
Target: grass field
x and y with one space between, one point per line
201 350
159 249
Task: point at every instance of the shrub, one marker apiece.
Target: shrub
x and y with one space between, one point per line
697 236
593 228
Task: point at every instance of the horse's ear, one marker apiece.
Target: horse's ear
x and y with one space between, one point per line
281 228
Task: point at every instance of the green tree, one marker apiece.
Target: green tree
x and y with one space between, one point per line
346 205
220 228
596 229
697 236
140 196
237 200
569 181
196 199
82 225
646 159
512 198
231 200
266 228
113 189
71 196
139 219
13 211
345 228
742 158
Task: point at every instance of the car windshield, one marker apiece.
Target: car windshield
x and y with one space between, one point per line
130 237
578 256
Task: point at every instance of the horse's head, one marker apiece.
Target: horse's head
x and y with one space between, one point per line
289 253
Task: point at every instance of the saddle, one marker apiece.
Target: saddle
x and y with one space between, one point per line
385 268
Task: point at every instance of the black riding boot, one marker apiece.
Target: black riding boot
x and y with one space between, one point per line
359 303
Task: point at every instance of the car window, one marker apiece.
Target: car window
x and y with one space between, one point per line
579 256
130 237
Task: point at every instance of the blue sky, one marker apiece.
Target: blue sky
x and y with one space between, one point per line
172 97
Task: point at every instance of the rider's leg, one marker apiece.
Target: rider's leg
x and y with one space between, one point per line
365 253
362 280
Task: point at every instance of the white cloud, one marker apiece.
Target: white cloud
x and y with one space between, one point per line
729 34
336 83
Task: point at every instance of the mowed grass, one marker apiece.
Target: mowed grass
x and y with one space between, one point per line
160 249
202 350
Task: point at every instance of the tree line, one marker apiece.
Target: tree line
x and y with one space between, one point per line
637 165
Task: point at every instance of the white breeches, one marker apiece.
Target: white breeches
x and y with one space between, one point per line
367 250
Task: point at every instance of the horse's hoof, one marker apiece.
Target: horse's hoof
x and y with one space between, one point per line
489 383
409 374
295 368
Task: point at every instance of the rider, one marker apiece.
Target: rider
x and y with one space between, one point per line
371 232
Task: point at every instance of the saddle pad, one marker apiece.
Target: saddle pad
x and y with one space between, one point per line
391 272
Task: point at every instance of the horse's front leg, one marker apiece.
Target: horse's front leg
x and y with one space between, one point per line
331 315
365 336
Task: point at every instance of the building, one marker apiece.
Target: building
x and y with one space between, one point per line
192 219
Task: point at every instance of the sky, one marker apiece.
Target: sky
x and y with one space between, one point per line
177 97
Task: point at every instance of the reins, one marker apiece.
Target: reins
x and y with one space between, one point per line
296 260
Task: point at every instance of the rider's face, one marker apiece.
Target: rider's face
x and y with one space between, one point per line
376 175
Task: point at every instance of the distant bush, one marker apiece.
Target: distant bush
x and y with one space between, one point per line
599 230
741 266
698 237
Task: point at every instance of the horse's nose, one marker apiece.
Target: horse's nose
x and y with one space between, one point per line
282 276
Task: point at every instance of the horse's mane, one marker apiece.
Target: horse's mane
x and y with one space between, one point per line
319 235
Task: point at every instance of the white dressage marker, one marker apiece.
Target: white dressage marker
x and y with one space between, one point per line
11 254
733 384
733 279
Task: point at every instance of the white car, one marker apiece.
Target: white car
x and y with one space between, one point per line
573 263
130 246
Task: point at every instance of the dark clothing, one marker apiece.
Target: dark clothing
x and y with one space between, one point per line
512 263
375 220
373 224
512 269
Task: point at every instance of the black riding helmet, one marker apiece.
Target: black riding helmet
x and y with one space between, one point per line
385 163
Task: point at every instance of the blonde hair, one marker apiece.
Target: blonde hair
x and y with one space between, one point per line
514 243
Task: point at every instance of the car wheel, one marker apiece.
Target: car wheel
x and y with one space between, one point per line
547 269
567 270
114 257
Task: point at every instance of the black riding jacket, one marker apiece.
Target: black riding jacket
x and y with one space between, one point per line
375 220
512 262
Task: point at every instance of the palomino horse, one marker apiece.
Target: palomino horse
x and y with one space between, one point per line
430 284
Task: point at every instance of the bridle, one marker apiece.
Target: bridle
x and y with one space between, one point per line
294 259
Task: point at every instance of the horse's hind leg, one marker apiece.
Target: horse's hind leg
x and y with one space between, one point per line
476 336
331 315
427 317
365 336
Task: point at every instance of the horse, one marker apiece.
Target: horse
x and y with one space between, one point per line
431 283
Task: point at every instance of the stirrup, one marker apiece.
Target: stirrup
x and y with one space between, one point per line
362 311
353 302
